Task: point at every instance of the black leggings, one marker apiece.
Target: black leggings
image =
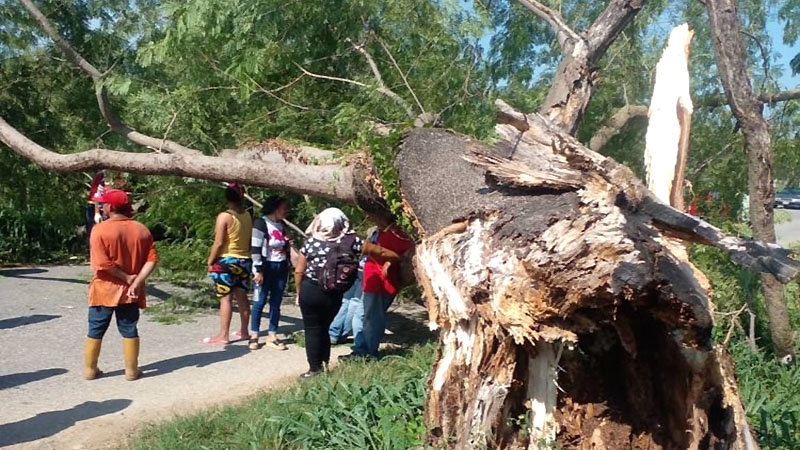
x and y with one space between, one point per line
318 308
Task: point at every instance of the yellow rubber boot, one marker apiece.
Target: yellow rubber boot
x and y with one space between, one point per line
91 354
130 348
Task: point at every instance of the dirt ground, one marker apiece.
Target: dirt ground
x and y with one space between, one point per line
46 404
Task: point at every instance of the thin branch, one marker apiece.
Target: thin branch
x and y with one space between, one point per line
361 48
169 127
382 89
113 121
402 74
764 57
554 19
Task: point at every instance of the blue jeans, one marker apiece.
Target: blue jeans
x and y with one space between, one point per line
375 307
275 274
127 318
350 318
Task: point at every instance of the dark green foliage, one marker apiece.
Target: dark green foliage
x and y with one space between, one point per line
363 405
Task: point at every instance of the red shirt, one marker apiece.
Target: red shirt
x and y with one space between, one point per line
375 282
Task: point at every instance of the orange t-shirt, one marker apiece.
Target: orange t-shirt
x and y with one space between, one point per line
125 244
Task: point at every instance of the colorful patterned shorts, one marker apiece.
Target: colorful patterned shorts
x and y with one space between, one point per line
231 273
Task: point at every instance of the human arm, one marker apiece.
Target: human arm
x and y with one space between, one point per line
220 231
139 279
381 253
256 249
299 274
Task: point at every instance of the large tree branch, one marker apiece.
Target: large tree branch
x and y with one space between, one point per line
114 122
614 124
605 29
330 181
573 84
554 19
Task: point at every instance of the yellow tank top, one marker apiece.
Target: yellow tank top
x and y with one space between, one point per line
237 243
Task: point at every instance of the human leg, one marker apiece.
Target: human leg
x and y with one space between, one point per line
259 301
277 275
243 303
359 342
311 307
127 320
339 328
99 318
332 305
375 307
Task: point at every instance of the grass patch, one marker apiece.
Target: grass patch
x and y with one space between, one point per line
359 405
771 395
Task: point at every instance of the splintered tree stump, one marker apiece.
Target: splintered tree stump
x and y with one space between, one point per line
565 314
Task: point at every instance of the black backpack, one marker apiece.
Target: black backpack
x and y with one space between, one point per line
341 267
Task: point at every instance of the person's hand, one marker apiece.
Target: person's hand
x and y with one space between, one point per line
129 279
258 278
297 300
210 267
134 287
386 267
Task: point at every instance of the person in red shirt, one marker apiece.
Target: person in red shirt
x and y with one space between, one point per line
380 285
122 257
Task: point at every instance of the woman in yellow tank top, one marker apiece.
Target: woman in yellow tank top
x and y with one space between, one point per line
229 264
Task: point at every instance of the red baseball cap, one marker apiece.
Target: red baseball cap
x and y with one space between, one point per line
114 197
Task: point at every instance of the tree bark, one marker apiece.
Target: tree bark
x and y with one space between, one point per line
747 108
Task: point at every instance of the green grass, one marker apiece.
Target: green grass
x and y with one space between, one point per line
771 395
359 405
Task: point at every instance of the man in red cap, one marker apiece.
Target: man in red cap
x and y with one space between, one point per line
122 257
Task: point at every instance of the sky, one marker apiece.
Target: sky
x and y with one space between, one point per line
775 30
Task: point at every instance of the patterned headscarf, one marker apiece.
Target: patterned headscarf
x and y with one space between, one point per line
329 225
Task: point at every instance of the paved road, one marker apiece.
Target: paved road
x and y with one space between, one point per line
44 401
788 232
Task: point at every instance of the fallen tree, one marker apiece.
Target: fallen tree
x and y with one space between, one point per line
567 312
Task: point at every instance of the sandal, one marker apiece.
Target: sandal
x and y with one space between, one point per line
252 344
275 345
213 341
237 336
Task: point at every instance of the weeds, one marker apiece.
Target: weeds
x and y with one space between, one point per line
359 405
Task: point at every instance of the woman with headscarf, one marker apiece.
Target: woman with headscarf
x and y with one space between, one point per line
319 306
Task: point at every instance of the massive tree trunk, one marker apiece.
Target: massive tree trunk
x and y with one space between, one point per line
746 107
556 276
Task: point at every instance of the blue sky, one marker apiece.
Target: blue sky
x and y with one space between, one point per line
775 30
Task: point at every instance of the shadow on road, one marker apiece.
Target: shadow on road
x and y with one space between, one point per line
49 423
194 360
25 320
25 275
18 379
